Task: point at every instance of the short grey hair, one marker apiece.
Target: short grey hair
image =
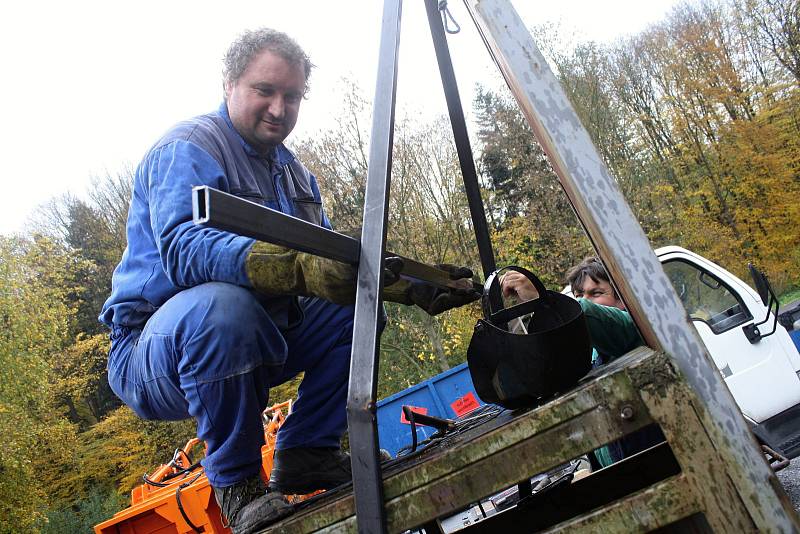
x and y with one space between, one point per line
252 42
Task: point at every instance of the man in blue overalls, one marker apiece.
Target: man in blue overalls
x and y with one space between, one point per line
203 322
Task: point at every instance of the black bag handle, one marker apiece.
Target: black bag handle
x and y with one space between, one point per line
501 317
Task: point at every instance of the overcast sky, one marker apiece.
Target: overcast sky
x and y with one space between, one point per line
90 85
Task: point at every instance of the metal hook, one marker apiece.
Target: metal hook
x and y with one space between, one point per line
447 15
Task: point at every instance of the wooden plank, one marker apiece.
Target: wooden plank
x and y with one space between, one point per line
644 511
674 405
565 501
599 400
529 444
471 482
533 442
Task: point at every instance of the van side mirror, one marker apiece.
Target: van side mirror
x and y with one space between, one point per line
768 298
762 284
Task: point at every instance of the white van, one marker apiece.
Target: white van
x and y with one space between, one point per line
756 356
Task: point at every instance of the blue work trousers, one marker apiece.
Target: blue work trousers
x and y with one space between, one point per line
211 352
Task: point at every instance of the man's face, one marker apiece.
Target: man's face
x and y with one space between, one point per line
599 292
264 102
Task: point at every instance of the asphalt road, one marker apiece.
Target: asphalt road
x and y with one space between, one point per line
790 478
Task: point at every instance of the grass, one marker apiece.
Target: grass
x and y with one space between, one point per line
789 297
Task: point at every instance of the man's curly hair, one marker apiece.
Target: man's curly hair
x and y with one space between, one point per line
252 42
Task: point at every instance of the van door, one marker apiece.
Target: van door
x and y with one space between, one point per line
760 377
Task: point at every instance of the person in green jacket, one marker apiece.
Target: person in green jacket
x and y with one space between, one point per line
611 327
612 332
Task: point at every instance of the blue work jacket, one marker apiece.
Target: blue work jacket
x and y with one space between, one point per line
166 252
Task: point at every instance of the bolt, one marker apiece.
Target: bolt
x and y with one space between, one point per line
626 412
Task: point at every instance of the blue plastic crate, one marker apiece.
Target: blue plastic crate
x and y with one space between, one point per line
449 395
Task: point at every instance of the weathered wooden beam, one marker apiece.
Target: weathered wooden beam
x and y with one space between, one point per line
643 384
674 405
448 480
565 501
644 511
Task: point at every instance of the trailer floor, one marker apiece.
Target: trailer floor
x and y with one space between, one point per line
646 492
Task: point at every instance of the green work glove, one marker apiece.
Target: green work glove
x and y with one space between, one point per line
277 270
431 299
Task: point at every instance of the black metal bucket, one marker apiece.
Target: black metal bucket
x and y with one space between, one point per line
522 370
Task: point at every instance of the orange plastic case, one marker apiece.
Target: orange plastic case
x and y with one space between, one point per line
156 505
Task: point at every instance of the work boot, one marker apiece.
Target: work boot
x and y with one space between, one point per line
249 506
303 470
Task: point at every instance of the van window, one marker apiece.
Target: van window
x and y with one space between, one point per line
705 297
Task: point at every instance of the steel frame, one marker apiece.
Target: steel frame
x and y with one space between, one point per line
625 250
601 209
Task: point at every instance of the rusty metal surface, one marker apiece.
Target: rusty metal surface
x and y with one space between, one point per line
626 252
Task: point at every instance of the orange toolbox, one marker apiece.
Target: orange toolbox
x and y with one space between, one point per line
177 498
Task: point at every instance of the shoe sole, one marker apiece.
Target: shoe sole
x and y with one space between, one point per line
280 509
308 483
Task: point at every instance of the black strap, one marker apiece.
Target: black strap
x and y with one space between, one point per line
506 315
180 505
492 287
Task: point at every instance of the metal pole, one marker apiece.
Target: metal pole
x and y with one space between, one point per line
461 136
361 409
626 252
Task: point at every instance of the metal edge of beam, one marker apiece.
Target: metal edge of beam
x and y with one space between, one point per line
624 248
218 209
463 148
224 211
361 406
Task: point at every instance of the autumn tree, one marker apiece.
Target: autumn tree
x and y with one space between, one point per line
534 224
774 26
428 221
36 326
94 228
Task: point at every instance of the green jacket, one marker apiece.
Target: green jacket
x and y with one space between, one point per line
612 331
